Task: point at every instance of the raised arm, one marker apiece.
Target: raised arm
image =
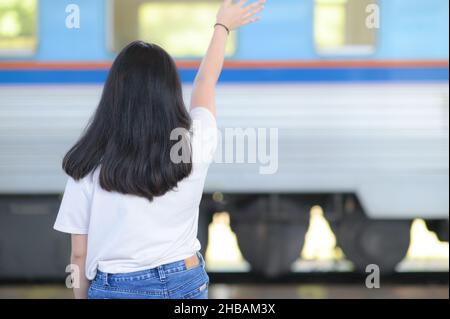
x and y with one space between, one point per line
231 16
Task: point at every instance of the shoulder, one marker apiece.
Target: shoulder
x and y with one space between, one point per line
203 116
85 184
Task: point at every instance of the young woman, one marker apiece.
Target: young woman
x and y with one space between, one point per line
130 203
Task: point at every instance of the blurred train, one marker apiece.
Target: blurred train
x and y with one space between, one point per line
361 111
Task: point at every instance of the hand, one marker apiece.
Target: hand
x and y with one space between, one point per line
236 15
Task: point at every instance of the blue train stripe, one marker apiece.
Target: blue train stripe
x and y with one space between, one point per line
283 75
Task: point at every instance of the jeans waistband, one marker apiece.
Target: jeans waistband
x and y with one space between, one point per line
158 272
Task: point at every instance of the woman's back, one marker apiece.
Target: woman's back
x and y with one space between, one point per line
129 233
137 173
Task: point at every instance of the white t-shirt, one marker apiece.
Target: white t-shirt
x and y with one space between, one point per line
128 233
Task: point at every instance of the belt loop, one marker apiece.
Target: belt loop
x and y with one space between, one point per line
105 280
161 273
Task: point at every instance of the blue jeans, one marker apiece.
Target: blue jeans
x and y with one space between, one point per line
170 281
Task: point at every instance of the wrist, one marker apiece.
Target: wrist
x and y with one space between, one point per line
222 26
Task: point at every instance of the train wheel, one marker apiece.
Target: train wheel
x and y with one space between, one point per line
380 242
270 231
270 248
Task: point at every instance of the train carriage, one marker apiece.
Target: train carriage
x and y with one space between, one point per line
357 90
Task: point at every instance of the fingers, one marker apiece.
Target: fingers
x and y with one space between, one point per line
242 3
255 4
251 20
253 12
255 7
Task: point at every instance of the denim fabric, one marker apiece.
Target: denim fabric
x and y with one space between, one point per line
171 281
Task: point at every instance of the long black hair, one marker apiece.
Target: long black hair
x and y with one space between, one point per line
129 136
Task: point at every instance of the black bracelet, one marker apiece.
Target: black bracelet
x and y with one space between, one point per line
222 25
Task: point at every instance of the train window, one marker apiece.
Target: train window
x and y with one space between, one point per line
340 27
18 20
183 28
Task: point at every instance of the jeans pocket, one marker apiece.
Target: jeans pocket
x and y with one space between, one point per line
193 285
